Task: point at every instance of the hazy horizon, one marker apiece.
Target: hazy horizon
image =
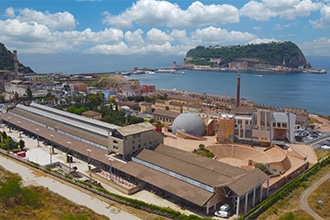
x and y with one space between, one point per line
86 63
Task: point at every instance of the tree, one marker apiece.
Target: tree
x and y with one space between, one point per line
16 96
21 144
262 167
2 98
29 93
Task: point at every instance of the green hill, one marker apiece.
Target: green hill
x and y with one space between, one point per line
7 61
274 53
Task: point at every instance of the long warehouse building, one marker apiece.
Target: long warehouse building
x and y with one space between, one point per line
188 179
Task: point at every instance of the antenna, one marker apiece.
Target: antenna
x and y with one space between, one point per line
238 90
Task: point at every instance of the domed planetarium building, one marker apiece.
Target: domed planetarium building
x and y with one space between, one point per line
189 123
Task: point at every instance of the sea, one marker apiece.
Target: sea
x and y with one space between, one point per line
298 90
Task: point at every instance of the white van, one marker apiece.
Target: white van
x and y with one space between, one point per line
224 211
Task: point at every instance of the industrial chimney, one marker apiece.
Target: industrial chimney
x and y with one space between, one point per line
15 64
238 89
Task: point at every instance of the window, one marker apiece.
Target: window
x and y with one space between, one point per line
284 125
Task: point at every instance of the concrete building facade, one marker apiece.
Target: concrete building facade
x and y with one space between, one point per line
264 127
128 140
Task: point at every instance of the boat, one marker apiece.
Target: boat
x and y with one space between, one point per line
316 71
126 73
166 70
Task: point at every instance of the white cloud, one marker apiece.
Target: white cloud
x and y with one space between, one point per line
134 38
22 31
31 31
119 49
257 11
57 21
179 35
324 21
154 13
318 47
10 12
214 36
156 36
287 9
262 40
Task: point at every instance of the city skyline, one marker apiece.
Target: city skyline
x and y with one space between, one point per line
87 36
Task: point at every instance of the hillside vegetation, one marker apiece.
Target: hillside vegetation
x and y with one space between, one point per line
35 202
7 61
274 53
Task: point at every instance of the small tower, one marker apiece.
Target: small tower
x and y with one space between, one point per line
15 64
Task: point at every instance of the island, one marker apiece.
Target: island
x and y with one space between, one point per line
265 57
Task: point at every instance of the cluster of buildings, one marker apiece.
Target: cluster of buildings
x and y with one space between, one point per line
138 153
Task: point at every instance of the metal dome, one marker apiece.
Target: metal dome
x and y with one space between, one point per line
189 123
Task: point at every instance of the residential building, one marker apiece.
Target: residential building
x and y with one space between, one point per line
125 141
264 127
78 87
175 106
18 86
145 107
5 77
146 89
225 131
193 108
92 114
238 65
184 99
165 116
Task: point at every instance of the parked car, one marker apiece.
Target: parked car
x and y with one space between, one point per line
325 147
224 211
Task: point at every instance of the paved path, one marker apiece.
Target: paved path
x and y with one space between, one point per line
31 177
304 197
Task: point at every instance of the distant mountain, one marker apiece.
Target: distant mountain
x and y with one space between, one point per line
285 54
7 61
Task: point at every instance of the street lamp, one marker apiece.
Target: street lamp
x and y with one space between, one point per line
69 144
89 165
3 128
9 124
38 136
110 165
70 158
52 136
50 155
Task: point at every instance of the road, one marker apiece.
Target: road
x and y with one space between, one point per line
304 197
31 177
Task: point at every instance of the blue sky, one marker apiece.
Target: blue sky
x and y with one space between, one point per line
112 35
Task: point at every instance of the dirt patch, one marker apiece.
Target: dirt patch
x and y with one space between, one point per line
37 173
320 123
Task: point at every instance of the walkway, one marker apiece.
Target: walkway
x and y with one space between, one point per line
304 197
